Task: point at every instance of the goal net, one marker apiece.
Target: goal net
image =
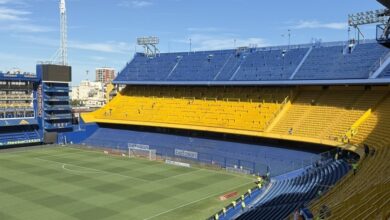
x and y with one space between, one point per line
143 153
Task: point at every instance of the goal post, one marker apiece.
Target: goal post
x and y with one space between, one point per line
150 154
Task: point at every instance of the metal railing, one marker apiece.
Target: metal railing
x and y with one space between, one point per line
378 63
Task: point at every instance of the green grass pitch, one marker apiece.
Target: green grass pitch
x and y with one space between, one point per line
71 183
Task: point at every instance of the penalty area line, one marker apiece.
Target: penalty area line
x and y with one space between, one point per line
78 171
196 201
101 171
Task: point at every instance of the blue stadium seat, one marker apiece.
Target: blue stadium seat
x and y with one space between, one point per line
333 63
257 64
286 195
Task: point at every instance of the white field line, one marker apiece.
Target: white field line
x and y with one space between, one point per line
229 174
196 201
58 155
101 155
156 164
78 171
101 171
24 151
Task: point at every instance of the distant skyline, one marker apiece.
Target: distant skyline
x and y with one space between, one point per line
103 32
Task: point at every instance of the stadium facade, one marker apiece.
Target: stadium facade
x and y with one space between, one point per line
35 107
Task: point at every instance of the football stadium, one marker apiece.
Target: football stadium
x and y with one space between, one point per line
279 132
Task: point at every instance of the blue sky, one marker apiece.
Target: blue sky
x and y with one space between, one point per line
104 32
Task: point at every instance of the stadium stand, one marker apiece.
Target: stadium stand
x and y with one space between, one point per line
284 195
326 114
210 108
365 195
310 114
304 62
270 65
347 117
18 123
333 63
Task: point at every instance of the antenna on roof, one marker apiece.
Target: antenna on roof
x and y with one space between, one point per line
190 45
64 34
61 56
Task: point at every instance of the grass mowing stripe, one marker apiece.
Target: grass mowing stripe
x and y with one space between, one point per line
152 163
196 201
89 153
166 191
150 167
177 175
102 171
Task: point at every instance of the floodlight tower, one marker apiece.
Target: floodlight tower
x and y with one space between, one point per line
380 17
64 34
150 45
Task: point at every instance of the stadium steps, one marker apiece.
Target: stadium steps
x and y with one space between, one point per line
301 63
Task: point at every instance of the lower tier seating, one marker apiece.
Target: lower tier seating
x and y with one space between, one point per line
365 195
283 196
327 114
18 135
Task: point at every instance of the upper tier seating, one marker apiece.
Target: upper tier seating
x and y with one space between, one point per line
332 63
386 72
257 64
270 65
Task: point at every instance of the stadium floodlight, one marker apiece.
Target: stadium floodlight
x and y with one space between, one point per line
148 40
368 17
150 45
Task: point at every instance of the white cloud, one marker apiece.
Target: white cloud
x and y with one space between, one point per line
15 20
107 47
203 29
4 1
135 3
318 25
218 42
24 28
9 14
